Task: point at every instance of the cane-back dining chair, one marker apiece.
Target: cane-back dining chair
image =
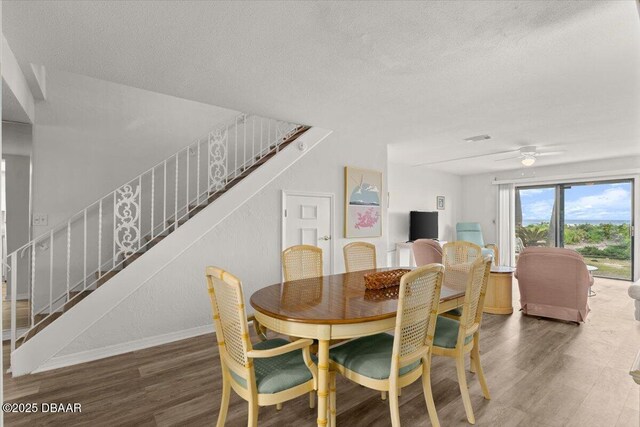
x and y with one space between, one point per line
457 258
359 256
301 262
267 373
460 252
456 338
387 362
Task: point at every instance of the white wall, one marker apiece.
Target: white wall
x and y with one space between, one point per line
17 139
479 195
17 174
416 188
92 136
247 244
16 151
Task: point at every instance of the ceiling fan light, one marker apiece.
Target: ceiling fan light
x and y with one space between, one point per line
528 160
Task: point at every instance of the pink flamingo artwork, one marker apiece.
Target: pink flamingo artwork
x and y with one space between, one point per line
367 219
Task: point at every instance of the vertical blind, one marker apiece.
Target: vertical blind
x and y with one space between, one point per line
506 224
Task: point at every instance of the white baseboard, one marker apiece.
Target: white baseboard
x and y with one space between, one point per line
114 350
19 297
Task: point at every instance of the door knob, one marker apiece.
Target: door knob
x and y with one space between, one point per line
325 238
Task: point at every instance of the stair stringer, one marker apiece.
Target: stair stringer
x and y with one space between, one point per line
34 354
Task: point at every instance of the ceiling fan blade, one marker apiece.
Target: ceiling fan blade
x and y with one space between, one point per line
551 153
508 158
465 158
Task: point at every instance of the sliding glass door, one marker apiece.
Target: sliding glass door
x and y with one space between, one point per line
593 218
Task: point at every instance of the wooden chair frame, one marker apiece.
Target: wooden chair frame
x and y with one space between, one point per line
496 253
395 382
351 251
245 370
478 276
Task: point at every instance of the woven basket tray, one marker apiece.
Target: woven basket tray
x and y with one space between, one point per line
384 279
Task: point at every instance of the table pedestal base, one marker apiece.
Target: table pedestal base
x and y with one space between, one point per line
499 294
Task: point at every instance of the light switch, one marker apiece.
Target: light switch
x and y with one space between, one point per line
40 219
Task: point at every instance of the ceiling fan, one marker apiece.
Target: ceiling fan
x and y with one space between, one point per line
527 156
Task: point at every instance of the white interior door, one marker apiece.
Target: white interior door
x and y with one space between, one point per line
308 220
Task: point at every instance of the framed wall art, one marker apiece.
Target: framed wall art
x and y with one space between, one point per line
363 202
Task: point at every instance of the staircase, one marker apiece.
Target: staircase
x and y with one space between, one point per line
64 266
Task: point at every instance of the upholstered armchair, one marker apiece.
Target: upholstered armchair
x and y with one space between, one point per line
427 251
553 282
472 232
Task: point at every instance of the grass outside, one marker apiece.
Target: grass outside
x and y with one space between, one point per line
613 268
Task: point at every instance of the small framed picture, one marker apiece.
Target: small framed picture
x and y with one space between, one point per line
440 202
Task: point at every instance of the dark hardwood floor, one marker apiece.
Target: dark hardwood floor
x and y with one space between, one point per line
540 373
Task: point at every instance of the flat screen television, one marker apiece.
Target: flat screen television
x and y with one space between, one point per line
423 225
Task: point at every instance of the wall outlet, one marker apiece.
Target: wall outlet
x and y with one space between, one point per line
40 219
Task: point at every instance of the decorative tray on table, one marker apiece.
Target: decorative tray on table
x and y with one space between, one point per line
384 279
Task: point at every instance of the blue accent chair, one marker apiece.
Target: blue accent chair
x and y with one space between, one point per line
472 232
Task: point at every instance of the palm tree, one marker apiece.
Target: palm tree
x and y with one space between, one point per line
534 235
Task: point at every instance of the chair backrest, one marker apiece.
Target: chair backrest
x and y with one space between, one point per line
359 256
302 262
227 303
427 251
418 301
460 252
476 288
470 232
554 278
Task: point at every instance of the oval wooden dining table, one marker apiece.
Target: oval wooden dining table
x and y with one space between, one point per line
334 307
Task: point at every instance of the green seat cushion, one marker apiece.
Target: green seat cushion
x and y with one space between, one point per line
369 356
278 373
447 333
455 312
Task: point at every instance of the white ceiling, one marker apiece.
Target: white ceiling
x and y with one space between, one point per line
419 76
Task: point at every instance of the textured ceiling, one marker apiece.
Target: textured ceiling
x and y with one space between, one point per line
419 76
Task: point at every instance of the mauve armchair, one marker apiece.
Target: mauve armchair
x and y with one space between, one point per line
634 292
553 282
427 251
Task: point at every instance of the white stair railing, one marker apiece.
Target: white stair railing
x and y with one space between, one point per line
56 268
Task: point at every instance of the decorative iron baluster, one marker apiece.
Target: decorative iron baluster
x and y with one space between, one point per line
217 159
127 231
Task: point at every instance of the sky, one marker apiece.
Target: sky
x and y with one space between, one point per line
582 202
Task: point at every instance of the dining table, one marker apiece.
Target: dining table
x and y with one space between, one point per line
334 307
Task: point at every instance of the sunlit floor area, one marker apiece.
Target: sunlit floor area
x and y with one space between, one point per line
540 373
